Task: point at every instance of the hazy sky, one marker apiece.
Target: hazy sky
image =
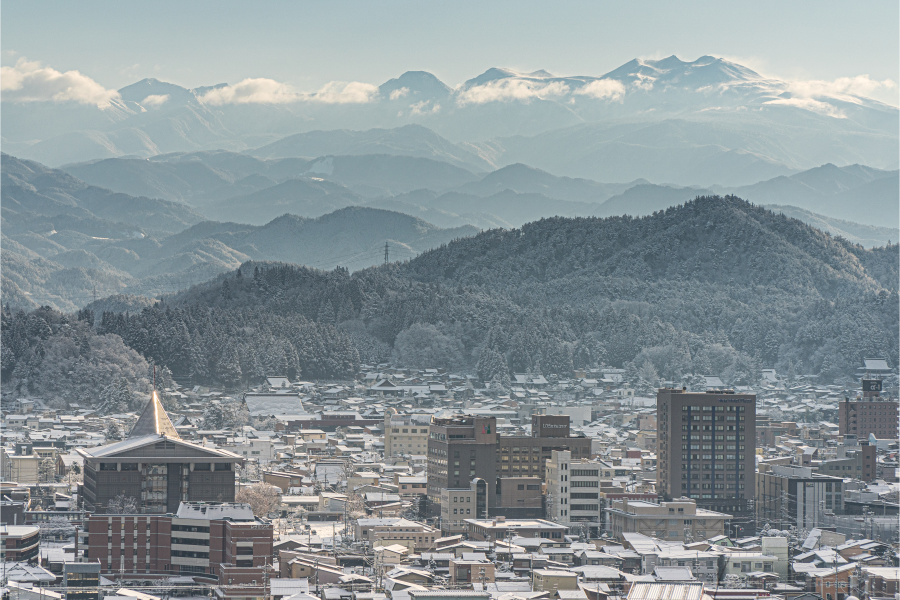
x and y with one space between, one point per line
308 44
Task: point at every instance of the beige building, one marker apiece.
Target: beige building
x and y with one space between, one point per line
385 532
23 469
471 571
549 580
670 521
457 505
405 434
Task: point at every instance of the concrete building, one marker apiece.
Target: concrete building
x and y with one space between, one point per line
19 543
386 532
156 468
460 449
573 490
501 527
674 521
551 580
855 463
797 496
199 540
405 434
24 469
706 450
869 415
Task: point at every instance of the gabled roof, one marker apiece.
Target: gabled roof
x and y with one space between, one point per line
154 420
132 444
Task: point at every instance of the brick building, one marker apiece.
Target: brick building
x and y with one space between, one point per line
871 415
211 541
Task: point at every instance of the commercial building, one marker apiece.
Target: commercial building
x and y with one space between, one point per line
156 468
873 415
223 542
19 543
856 462
788 496
386 532
501 527
81 580
463 448
573 490
675 521
405 434
706 450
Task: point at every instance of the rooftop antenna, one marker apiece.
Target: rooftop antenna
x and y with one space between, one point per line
385 253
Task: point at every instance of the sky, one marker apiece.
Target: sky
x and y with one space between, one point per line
307 45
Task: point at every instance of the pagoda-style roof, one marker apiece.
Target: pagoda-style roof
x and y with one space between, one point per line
154 420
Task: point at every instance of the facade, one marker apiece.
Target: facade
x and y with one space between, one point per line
19 543
386 532
870 415
405 434
498 529
675 521
573 490
798 496
24 469
156 468
462 448
81 580
856 463
706 450
551 580
196 541
459 504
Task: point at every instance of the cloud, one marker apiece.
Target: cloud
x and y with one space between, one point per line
269 91
28 81
421 108
810 104
399 93
603 89
509 89
861 85
155 100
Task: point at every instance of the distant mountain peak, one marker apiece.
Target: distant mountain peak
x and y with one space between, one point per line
541 74
414 84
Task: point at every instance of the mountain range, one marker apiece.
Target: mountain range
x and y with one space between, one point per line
703 122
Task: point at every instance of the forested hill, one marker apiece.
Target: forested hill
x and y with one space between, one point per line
714 240
714 287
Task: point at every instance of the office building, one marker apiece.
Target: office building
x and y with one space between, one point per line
20 543
676 521
156 468
462 448
206 540
405 434
788 496
706 450
573 491
873 415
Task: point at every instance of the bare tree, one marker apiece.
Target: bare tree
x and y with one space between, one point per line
262 498
47 470
56 528
122 505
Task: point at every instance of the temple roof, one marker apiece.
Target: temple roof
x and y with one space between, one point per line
154 420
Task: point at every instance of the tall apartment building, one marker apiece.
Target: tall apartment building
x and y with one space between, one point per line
706 450
216 541
405 434
462 448
869 415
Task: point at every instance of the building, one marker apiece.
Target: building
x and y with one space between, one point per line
573 490
471 571
706 450
156 468
856 463
676 521
405 434
459 504
869 415
551 580
24 469
500 528
19 543
798 496
386 532
199 540
462 448
81 580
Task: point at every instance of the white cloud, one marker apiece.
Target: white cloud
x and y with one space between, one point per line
603 89
812 105
861 85
399 93
421 108
155 100
511 89
28 81
339 92
269 91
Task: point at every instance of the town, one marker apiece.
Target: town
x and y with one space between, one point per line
405 484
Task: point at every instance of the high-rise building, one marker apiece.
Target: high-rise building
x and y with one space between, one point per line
875 415
706 450
797 496
462 448
156 468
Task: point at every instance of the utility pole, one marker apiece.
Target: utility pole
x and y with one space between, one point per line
385 253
